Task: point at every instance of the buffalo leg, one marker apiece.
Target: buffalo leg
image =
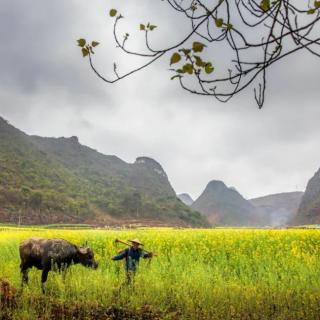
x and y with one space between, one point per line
24 272
44 277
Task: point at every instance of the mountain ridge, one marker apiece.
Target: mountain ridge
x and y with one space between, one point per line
277 209
48 179
224 206
186 199
309 209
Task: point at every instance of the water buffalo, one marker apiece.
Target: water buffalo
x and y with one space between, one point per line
45 254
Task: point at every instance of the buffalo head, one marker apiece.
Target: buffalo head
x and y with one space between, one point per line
86 257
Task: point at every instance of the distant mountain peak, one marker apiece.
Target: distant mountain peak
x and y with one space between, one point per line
216 183
151 164
74 139
185 198
224 206
147 161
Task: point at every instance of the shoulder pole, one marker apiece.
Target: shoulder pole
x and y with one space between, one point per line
127 244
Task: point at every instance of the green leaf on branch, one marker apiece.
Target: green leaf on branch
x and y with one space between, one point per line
186 52
199 61
142 27
95 43
219 22
113 12
85 52
317 4
209 68
311 11
152 27
197 46
265 5
175 58
188 68
81 42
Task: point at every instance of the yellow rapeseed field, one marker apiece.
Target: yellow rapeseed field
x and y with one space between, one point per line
197 274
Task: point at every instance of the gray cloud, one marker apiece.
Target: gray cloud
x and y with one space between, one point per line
49 90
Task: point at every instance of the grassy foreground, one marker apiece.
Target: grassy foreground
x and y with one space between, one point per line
198 274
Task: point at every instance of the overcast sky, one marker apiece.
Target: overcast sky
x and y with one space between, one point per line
48 89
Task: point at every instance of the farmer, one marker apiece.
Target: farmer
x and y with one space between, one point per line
132 256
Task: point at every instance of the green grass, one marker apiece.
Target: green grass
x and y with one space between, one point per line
198 274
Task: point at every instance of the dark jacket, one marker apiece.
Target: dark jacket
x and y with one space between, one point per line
132 257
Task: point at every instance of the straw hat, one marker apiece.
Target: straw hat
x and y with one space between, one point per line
136 241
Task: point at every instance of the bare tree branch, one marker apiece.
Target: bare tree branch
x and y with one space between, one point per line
256 34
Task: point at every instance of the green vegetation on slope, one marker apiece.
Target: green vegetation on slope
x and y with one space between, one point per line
48 180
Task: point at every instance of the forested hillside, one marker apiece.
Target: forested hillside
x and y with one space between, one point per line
47 180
